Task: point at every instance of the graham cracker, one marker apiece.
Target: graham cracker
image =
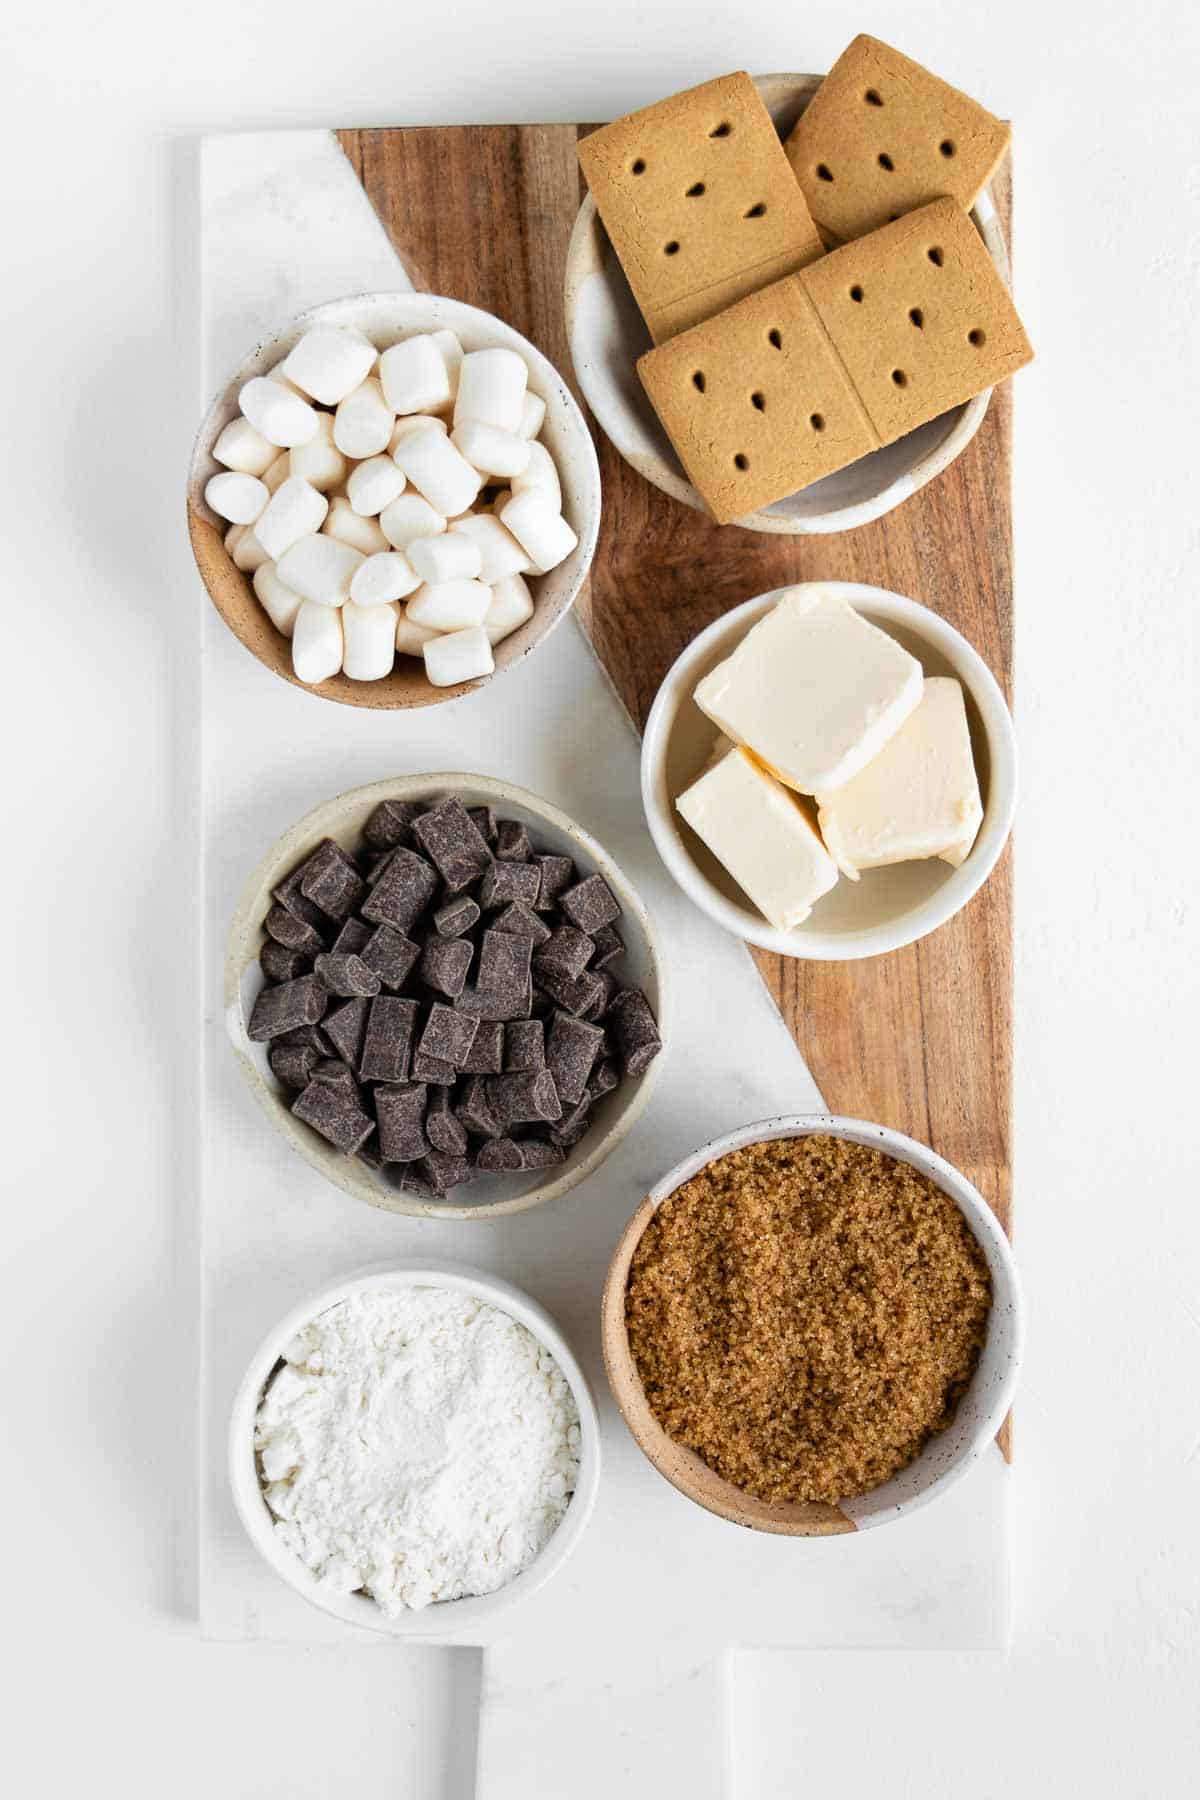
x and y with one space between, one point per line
699 201
882 136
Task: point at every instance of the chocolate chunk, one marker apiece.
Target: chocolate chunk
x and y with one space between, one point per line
490 1003
608 985
571 1050
310 1037
352 939
539 1153
506 882
572 1126
408 1177
501 1156
448 1035
401 1115
454 843
433 1069
522 921
524 1099
288 895
486 1055
633 1030
331 881
377 862
283 1008
402 892
335 1072
456 917
577 995
338 1116
568 950
590 904
346 1029
391 955
391 823
370 1152
484 820
604 1078
388 1039
512 842
444 1131
524 1046
608 947
503 963
345 975
292 1064
444 964
444 1172
474 1109
280 964
557 873
293 933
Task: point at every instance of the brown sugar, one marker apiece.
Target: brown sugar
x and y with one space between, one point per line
804 1314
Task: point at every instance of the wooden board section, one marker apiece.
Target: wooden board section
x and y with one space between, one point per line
920 1040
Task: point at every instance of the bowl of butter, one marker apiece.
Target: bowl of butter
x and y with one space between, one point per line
829 771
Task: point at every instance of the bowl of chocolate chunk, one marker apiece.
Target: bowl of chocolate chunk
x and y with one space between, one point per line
829 771
813 1326
392 498
446 995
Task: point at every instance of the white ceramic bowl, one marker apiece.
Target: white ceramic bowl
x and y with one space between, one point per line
385 318
457 1618
607 335
343 818
948 1454
885 908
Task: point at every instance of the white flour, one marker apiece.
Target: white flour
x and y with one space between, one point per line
420 1445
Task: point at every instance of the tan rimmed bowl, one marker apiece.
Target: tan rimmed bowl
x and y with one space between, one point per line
385 318
607 335
948 1454
552 830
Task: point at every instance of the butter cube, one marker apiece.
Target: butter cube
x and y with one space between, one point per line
920 796
758 830
813 690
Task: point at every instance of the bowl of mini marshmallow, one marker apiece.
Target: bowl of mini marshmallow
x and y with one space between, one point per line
392 498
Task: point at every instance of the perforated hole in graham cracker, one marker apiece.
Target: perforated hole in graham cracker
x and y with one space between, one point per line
775 337
935 255
947 147
758 401
977 337
698 380
817 421
671 249
885 161
724 129
741 461
917 317
824 172
756 211
857 295
873 97
695 191
900 378
638 167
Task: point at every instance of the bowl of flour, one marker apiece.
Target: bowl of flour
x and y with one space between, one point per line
415 1449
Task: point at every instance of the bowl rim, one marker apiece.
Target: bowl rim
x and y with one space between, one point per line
357 1609
985 1227
937 908
585 489
346 1172
670 479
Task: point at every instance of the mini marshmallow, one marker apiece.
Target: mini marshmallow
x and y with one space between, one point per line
373 485
316 643
282 416
492 451
384 577
499 552
458 656
405 428
246 553
242 448
320 569
450 557
369 634
452 355
512 604
329 362
410 517
350 527
414 376
533 415
412 638
280 602
279 471
363 422
295 509
320 463
238 498
277 374
491 389
450 605
438 471
540 473
540 529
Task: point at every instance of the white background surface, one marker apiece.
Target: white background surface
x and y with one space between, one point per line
100 609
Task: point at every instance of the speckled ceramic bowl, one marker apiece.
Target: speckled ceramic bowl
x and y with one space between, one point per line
946 1457
607 336
385 318
552 830
452 1617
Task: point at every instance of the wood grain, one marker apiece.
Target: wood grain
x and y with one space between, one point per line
920 1040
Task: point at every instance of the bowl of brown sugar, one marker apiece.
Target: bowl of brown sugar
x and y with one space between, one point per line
813 1325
